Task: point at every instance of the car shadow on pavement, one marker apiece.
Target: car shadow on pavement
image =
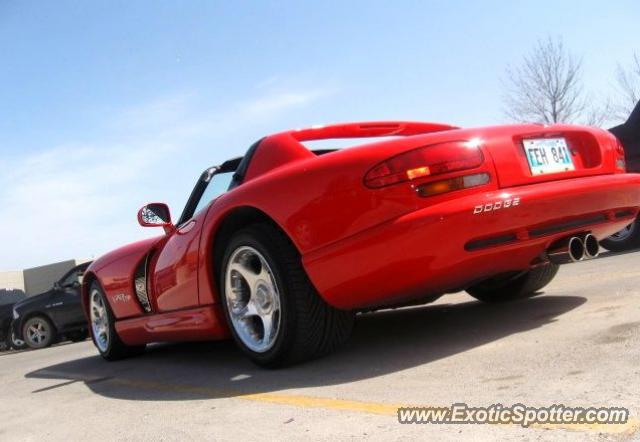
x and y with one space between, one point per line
383 343
608 254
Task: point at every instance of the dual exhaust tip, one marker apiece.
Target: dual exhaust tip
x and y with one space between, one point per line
574 249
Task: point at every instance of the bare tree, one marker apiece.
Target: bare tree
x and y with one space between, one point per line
628 79
600 115
547 87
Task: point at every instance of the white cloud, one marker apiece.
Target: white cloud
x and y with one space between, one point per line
80 200
73 201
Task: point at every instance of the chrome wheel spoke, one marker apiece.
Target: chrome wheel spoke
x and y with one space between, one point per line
267 326
249 310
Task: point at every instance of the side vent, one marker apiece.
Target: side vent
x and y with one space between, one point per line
140 284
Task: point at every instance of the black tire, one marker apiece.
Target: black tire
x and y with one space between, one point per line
309 327
43 334
624 241
115 348
78 336
514 286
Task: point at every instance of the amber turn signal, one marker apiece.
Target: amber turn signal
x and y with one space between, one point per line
452 184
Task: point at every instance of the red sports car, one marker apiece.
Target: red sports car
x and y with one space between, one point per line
280 248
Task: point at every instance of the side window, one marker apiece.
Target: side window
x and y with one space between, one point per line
71 278
216 187
212 183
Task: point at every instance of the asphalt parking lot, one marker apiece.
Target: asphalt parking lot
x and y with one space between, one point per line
576 344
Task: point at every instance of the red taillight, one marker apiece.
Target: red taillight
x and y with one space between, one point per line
425 161
620 158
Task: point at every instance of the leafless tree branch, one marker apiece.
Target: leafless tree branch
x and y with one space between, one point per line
547 87
628 82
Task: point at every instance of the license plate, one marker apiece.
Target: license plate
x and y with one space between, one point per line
548 155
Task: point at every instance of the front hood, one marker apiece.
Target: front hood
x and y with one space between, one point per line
136 248
31 300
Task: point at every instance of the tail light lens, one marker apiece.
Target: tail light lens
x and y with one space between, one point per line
427 161
449 185
621 163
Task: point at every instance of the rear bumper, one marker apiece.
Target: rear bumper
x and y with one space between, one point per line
450 245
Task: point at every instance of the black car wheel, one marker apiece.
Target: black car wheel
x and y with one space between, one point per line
103 331
626 239
78 336
514 286
275 314
38 332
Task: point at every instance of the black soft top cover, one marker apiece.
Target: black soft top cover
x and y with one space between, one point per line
629 135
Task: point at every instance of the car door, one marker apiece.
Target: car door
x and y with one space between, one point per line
175 269
66 307
64 304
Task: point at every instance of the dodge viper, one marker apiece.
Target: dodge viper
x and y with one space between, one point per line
280 248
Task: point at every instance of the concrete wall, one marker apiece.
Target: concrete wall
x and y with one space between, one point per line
40 279
12 280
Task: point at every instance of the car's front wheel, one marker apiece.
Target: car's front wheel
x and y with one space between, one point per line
103 331
626 239
514 286
275 314
38 332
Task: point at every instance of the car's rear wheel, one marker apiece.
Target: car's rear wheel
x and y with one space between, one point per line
515 285
38 332
275 314
78 336
626 239
103 332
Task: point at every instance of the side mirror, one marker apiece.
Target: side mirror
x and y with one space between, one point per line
57 286
156 215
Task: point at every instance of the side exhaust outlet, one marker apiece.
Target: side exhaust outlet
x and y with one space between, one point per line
567 250
591 246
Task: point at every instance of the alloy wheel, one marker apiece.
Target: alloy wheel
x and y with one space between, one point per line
252 299
99 321
38 333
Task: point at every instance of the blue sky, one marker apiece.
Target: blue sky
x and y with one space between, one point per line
107 105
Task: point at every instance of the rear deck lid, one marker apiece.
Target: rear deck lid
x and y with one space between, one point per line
532 154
